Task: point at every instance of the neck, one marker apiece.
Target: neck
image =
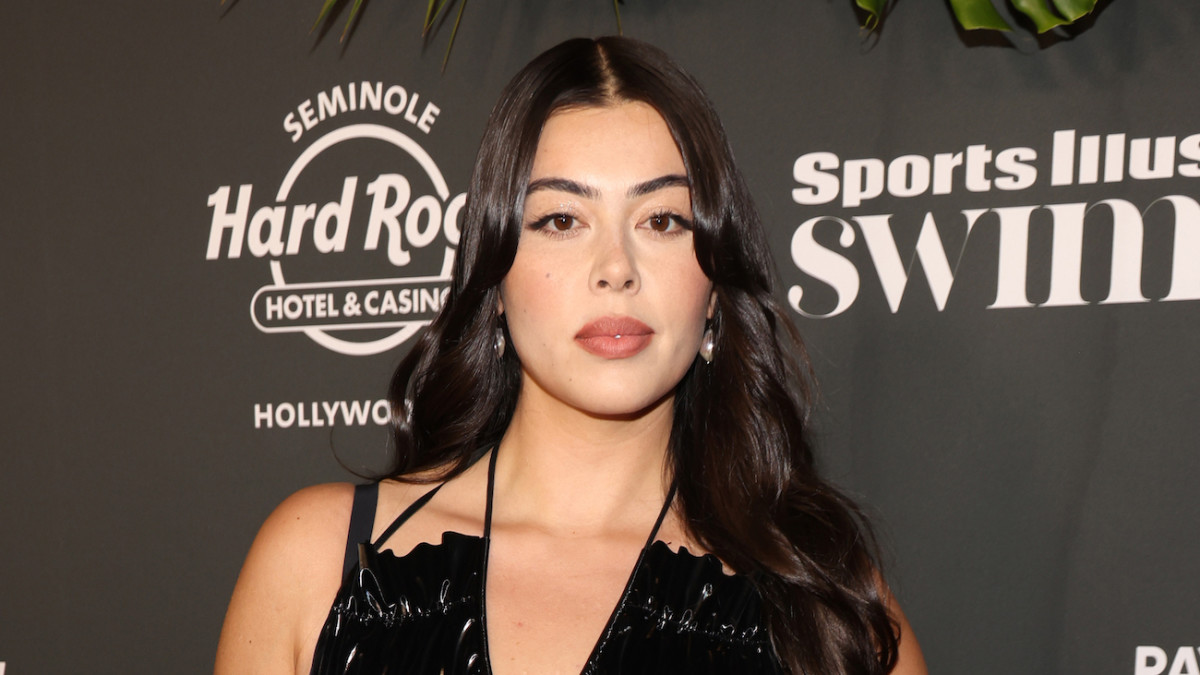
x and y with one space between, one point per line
573 473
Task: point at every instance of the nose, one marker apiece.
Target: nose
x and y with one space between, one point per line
615 266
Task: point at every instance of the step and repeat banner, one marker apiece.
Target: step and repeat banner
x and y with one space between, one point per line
222 232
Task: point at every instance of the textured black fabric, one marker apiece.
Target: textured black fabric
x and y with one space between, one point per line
420 613
423 613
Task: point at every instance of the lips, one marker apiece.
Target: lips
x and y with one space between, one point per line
614 337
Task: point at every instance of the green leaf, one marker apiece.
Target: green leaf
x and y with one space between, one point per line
1041 15
457 20
1074 9
428 16
350 22
329 4
432 14
874 10
976 14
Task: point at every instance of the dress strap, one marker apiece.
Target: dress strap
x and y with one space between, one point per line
662 515
362 520
487 552
491 484
404 516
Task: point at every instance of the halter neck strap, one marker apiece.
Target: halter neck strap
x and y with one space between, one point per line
662 514
491 490
404 516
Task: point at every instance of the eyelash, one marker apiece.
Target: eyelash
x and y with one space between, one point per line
540 225
684 225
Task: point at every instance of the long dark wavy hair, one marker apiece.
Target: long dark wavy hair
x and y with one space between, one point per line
747 486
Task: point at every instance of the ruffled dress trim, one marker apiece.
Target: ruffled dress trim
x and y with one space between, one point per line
423 613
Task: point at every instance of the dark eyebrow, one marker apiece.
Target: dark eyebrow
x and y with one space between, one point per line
563 185
671 180
589 192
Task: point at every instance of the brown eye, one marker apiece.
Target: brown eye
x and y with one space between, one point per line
562 222
660 222
666 223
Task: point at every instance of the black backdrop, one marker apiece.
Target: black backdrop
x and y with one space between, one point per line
1007 351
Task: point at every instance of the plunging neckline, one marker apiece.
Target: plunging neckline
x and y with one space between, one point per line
598 645
425 612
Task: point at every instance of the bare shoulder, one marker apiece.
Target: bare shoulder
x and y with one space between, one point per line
310 516
287 583
911 661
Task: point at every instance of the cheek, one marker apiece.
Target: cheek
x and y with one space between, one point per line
531 303
693 297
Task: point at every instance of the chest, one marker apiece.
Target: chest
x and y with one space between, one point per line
559 596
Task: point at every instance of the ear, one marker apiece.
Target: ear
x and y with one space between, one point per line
499 304
712 304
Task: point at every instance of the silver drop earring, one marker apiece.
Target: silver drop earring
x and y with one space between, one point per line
498 343
707 346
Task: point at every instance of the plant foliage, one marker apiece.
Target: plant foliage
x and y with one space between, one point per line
433 14
970 14
982 14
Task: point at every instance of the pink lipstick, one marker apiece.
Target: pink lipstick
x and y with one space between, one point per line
614 337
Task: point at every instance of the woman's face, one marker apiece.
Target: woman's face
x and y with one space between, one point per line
605 301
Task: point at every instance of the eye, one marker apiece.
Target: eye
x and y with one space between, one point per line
561 222
666 222
556 224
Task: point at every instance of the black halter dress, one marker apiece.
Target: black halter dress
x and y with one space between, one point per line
423 613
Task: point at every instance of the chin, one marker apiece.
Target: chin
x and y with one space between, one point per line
623 407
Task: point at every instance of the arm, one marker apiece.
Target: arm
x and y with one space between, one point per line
287 585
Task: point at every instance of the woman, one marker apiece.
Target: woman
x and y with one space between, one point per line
613 406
